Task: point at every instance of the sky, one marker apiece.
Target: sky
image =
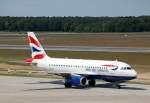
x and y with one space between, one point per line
74 7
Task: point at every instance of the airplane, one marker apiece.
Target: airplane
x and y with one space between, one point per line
79 72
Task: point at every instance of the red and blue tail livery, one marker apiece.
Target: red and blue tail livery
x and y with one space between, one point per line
36 48
32 40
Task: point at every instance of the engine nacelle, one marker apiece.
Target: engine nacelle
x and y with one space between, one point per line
76 80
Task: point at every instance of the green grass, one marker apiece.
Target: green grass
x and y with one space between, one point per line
139 61
132 58
13 55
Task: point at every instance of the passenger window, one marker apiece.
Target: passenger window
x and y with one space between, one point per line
126 68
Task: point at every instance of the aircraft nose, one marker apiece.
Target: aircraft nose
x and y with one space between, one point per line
134 74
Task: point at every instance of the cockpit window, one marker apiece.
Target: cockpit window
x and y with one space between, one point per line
126 68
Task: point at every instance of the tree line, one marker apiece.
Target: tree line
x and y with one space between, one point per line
76 24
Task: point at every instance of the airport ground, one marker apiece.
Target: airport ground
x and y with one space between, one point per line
39 90
81 39
13 59
42 90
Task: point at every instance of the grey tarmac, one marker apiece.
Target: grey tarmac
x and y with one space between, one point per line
80 48
43 90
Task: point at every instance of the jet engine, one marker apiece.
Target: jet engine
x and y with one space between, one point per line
75 80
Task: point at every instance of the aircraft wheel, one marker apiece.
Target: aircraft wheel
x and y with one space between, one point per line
92 83
67 85
118 86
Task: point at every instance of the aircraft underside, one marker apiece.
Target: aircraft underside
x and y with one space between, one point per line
83 81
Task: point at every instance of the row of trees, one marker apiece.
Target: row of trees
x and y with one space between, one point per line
76 24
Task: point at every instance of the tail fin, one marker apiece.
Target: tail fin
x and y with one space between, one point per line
36 48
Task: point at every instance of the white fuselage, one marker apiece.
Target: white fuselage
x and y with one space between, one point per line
85 67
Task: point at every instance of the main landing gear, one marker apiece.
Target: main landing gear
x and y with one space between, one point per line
118 86
67 85
92 83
